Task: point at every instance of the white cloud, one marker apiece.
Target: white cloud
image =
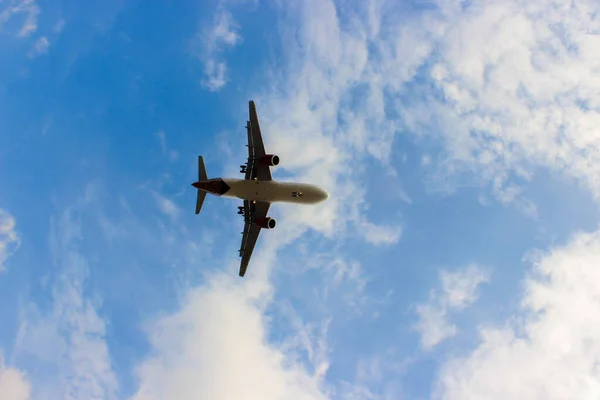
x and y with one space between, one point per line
9 240
70 337
492 129
515 87
433 325
459 290
216 347
13 383
459 287
40 47
27 7
551 349
380 234
327 139
505 87
211 42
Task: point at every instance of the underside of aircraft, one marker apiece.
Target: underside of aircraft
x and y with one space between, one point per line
257 190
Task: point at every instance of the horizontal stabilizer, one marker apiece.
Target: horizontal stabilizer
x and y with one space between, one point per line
200 201
201 177
201 169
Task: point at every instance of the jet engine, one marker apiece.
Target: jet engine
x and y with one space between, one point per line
266 223
269 159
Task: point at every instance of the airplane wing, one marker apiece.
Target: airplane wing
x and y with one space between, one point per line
249 168
256 148
252 211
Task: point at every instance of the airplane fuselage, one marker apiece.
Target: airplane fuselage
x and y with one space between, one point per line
275 191
268 191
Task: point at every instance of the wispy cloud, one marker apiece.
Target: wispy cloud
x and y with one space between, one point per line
27 7
59 26
70 337
549 350
40 47
173 155
211 42
166 206
9 240
377 378
13 383
458 290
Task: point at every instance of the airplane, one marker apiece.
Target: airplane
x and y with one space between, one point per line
258 189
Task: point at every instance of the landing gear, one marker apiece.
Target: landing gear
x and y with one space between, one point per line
243 169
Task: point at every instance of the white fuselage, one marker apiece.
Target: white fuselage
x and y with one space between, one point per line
274 191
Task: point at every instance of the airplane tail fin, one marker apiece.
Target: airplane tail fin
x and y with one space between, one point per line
201 177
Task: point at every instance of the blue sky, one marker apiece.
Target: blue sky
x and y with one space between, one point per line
459 142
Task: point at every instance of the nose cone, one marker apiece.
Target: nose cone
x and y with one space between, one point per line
322 195
196 185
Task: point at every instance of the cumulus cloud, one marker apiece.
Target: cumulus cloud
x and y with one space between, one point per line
216 346
550 350
9 240
70 338
13 383
210 43
458 290
16 7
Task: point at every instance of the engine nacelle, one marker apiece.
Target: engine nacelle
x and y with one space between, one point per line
266 223
269 159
